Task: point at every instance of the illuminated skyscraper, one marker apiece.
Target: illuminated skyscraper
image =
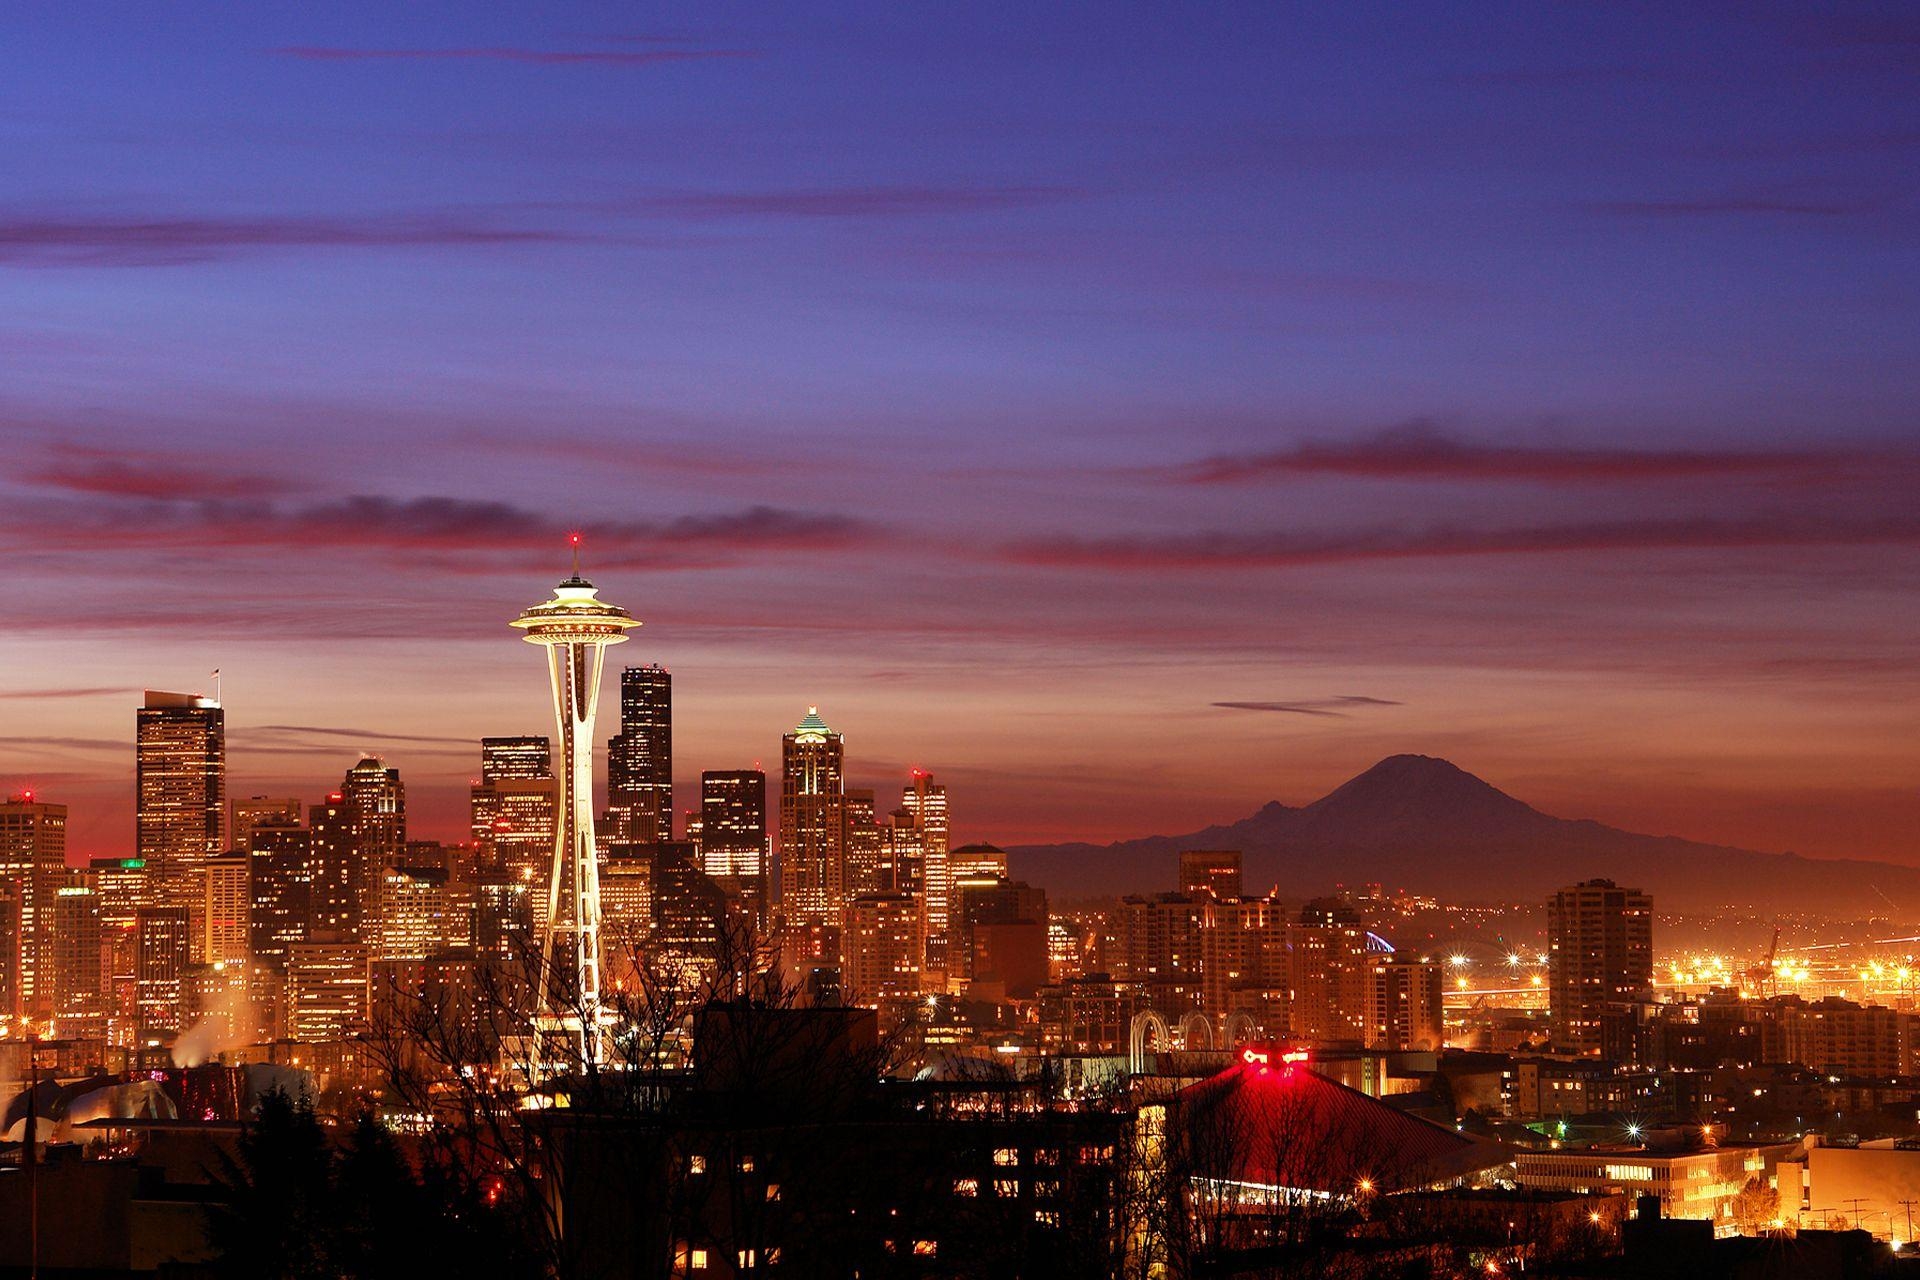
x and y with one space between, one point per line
282 880
733 823
812 822
640 758
261 811
227 914
867 867
575 628
162 946
33 857
332 914
528 757
327 990
180 783
926 800
1602 953
75 959
376 802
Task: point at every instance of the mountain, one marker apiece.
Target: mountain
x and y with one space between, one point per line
1426 825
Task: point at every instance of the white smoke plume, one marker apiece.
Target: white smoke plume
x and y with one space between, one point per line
224 1026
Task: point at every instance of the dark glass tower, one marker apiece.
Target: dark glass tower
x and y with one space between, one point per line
640 759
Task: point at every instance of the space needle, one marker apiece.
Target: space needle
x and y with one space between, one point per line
576 628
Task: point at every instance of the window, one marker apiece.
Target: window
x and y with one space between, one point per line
1046 1155
1007 1187
966 1186
1046 1217
697 1259
926 1248
1046 1190
1006 1155
746 1164
696 1164
773 1191
746 1259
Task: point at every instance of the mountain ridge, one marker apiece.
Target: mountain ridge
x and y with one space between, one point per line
1424 824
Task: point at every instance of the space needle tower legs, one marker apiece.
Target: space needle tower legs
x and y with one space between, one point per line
576 629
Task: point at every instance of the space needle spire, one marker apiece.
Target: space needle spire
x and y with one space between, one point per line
576 628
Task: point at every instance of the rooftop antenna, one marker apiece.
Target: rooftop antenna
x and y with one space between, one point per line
574 538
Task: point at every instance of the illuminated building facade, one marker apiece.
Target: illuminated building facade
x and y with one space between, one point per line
163 948
733 824
926 802
866 867
575 628
226 917
1403 1009
1210 872
376 804
76 959
421 914
282 891
640 758
880 947
260 811
513 808
812 821
333 912
1328 968
524 758
1601 954
180 782
327 990
33 857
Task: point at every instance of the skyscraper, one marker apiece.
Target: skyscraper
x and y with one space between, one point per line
513 815
575 628
260 811
33 856
282 880
376 802
867 869
733 831
926 800
227 914
1601 952
812 822
1214 872
74 960
162 946
529 756
332 915
180 784
640 758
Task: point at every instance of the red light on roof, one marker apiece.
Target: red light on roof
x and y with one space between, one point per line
28 795
574 538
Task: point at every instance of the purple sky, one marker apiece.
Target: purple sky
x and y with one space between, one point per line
1131 415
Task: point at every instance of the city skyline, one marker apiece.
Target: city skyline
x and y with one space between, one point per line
1479 391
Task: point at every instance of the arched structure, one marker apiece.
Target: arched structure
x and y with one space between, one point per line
1143 1022
1191 1021
1243 1023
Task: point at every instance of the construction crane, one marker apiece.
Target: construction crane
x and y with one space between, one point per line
1760 977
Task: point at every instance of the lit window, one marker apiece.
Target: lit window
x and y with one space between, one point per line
926 1248
696 1164
1005 1187
746 1164
698 1260
1006 1155
746 1259
1046 1217
1046 1190
1046 1155
966 1186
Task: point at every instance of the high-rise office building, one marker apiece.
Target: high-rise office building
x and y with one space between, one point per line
733 824
926 800
528 757
332 913
328 990
1328 972
813 825
1214 872
977 860
640 758
260 811
226 919
75 961
12 950
866 867
180 784
33 856
421 913
1601 953
163 943
376 799
282 887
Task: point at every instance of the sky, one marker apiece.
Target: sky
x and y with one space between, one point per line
1131 414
